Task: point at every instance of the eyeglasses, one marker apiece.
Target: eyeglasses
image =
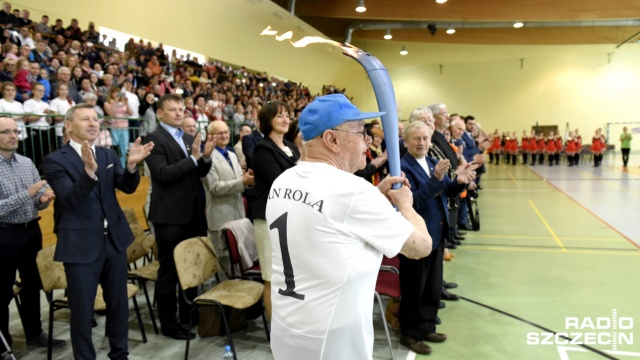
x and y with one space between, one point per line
363 132
7 132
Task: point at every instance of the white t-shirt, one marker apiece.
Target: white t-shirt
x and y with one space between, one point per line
14 108
336 227
60 106
32 106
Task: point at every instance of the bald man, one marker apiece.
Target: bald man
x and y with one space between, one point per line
329 230
223 188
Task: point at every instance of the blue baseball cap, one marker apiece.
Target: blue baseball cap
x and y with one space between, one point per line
328 111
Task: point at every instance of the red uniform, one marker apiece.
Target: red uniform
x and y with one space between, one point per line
495 145
551 146
558 143
541 145
597 144
511 146
572 146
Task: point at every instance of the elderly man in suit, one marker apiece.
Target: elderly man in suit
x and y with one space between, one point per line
421 280
176 164
223 186
93 233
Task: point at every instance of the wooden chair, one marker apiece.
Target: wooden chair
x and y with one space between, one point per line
140 248
53 278
196 262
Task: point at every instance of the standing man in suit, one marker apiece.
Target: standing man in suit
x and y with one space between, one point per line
176 165
249 142
93 233
421 280
223 187
22 195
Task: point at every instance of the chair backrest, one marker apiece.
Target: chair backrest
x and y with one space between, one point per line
141 244
234 253
130 215
51 272
194 261
390 264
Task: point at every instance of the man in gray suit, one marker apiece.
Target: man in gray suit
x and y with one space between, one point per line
223 187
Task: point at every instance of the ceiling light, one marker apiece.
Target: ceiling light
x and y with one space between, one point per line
403 51
441 1
518 25
388 35
451 30
361 7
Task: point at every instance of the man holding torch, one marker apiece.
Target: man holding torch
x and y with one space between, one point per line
328 231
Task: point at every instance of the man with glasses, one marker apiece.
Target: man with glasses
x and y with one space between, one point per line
22 195
329 230
224 185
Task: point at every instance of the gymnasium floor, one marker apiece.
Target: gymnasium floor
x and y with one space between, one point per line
556 242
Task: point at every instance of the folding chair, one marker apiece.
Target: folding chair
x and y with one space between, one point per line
53 278
388 284
252 273
196 262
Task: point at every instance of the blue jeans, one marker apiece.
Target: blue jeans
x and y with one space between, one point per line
121 139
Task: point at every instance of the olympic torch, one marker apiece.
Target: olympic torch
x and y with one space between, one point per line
382 87
386 98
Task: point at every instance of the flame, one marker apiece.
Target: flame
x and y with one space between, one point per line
268 31
286 36
347 48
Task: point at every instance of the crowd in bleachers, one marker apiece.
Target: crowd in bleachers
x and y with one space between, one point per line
123 85
47 69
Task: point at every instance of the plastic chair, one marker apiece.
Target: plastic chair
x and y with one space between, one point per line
196 262
388 284
53 278
140 248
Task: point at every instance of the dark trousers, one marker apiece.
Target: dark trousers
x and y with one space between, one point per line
18 250
421 288
168 236
110 271
625 156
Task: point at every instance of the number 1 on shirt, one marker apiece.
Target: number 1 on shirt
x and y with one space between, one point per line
281 224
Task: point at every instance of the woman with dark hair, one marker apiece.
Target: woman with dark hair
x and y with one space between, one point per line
271 157
147 111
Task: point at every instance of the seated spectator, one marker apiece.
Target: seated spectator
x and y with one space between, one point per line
24 18
60 105
6 17
8 104
10 51
9 67
25 37
154 65
23 86
118 107
39 55
73 32
58 29
44 80
147 111
91 34
43 26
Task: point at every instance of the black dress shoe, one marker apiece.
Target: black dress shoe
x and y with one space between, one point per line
438 321
42 341
178 333
449 296
460 233
442 305
451 246
465 227
449 285
417 346
458 237
434 337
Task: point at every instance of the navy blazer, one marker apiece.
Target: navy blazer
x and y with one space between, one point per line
175 178
82 203
470 149
249 143
430 196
